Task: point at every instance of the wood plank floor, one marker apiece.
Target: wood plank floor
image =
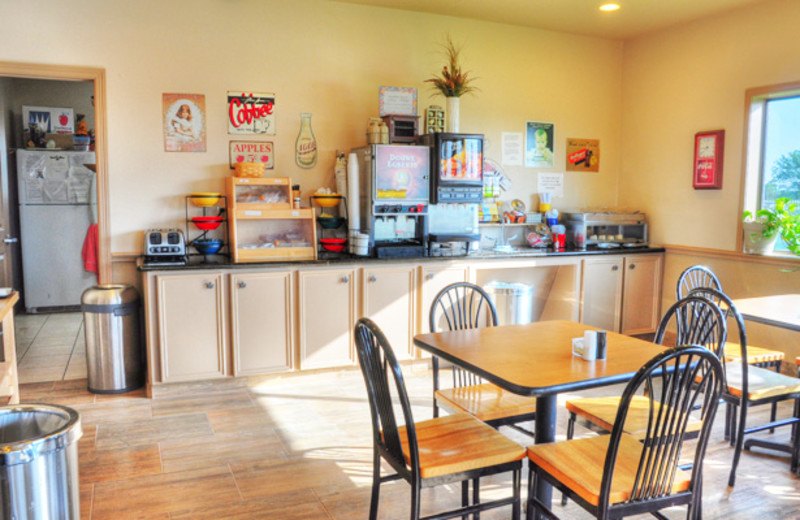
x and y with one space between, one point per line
299 447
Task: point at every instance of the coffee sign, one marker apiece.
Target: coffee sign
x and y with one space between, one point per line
252 151
251 113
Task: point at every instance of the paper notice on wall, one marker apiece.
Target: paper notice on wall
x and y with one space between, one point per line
552 183
512 148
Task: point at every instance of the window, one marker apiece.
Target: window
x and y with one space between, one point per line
773 148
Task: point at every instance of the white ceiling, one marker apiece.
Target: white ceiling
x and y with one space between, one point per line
636 17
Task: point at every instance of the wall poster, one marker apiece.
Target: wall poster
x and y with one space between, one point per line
252 113
184 122
539 144
583 155
252 151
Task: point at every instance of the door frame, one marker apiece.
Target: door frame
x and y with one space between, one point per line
98 77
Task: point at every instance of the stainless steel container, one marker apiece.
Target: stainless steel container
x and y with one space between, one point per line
115 359
514 302
39 462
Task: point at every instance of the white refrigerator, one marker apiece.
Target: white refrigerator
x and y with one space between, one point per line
57 203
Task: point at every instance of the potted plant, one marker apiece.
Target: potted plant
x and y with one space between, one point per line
452 84
761 230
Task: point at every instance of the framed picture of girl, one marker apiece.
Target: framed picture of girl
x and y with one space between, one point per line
539 139
184 117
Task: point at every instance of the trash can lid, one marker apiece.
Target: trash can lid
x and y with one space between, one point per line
30 430
109 294
508 287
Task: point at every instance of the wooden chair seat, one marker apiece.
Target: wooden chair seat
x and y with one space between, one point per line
602 411
487 402
755 355
578 464
457 443
762 383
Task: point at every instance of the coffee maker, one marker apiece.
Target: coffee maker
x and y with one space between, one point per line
394 188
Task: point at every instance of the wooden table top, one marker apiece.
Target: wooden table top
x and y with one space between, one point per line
782 310
536 359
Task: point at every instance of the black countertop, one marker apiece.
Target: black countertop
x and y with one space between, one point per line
224 262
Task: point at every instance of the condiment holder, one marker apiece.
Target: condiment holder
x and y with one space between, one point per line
592 346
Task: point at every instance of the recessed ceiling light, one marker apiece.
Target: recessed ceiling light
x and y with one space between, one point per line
609 7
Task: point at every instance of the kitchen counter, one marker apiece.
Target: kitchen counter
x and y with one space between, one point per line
223 262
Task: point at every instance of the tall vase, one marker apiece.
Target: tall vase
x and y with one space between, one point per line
451 121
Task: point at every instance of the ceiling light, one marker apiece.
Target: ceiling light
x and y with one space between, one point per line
609 7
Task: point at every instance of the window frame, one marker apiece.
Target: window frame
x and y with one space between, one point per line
753 152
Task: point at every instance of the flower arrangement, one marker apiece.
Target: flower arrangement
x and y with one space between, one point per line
454 82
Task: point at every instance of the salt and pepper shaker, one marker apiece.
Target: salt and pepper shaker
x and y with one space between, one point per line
590 345
601 344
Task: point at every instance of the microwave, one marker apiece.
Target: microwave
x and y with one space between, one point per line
456 167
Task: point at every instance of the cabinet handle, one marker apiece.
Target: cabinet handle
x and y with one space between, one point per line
344 279
242 285
372 278
209 285
429 276
614 267
633 266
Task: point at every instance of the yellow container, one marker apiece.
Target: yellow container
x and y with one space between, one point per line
544 207
205 199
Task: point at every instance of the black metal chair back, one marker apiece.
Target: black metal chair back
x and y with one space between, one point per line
461 305
686 377
698 321
694 277
377 361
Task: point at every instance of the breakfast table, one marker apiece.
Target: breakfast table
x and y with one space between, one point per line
536 360
782 310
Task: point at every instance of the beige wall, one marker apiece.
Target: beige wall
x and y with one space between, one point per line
693 78
318 56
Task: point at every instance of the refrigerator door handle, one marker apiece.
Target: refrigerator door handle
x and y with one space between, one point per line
10 240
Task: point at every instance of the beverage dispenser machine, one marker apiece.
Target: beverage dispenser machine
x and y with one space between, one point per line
394 189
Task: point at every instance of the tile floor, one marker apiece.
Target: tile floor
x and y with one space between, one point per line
50 347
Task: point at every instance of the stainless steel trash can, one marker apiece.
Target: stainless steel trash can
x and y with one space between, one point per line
115 359
514 302
39 462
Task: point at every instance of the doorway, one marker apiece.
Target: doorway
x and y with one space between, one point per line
94 79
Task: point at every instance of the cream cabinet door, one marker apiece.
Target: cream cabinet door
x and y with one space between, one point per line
434 279
327 317
192 332
261 322
389 301
641 298
602 292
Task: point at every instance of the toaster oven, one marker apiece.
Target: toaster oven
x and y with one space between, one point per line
164 247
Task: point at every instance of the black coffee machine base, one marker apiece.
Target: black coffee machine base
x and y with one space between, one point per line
399 251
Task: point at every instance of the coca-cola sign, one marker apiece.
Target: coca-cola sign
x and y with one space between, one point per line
251 113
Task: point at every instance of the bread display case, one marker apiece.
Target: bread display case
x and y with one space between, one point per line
264 226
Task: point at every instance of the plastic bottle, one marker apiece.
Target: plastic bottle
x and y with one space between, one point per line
306 145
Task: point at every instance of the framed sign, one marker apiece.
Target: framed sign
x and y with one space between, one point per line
399 101
539 141
583 155
709 149
252 113
184 118
252 151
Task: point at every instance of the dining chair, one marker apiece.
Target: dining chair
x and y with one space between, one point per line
444 450
701 276
463 305
749 386
617 475
697 321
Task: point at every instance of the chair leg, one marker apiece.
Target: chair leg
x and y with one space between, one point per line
376 486
517 477
733 428
773 414
415 492
435 365
476 496
737 451
796 442
530 507
727 435
465 497
570 433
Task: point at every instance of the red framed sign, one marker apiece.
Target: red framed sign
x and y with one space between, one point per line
709 150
